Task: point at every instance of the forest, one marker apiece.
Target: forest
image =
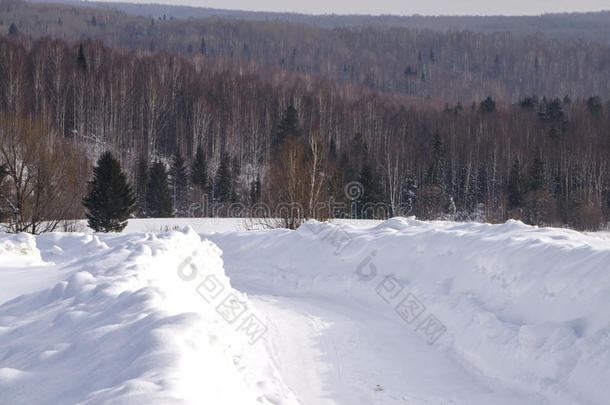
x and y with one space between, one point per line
594 26
233 136
457 65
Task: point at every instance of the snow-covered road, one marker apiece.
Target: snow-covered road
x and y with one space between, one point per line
333 353
519 315
523 308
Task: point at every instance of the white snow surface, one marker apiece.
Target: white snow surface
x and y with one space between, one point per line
122 327
520 315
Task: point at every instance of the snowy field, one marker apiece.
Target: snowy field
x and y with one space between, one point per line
354 312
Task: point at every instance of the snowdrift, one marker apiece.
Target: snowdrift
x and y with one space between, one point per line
527 307
471 314
130 321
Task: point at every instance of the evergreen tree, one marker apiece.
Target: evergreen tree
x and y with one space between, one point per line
12 30
551 111
235 173
110 200
178 183
595 106
158 197
359 151
81 60
289 126
141 185
537 176
199 170
255 190
3 174
409 71
528 103
203 48
439 165
222 183
488 105
93 21
515 185
332 150
371 192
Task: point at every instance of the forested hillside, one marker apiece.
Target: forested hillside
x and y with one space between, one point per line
252 134
457 65
577 26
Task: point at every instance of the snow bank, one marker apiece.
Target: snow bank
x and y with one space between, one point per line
525 306
132 320
19 249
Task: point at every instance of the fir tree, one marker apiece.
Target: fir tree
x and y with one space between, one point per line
81 60
255 190
3 174
595 106
409 71
141 185
222 183
199 170
289 126
488 105
515 185
359 151
551 111
203 48
371 192
12 29
537 176
158 197
93 21
235 173
110 200
439 168
178 183
332 150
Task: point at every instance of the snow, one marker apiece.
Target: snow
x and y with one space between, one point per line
123 327
355 312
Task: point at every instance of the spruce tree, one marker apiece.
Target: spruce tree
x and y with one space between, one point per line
439 165
332 150
537 177
595 106
289 126
110 200
255 190
199 170
178 183
141 185
222 183
12 30
488 105
158 197
3 174
81 60
203 48
515 185
371 192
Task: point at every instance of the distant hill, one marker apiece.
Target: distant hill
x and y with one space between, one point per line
581 26
455 65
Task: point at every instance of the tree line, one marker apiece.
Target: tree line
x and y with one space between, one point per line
593 26
211 136
456 65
